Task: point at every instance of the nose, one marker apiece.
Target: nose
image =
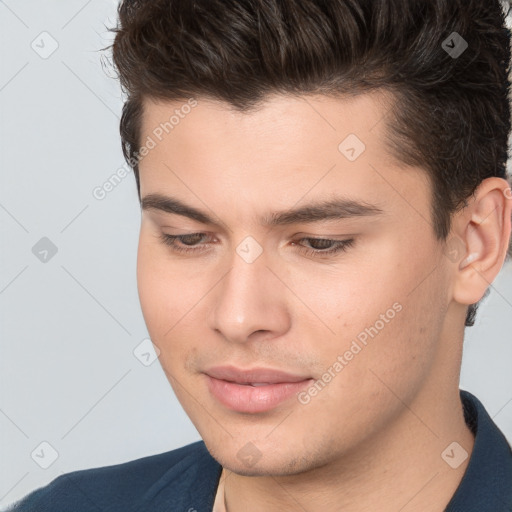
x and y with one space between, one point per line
250 302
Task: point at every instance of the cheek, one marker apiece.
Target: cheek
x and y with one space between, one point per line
162 294
151 287
350 296
384 315
168 302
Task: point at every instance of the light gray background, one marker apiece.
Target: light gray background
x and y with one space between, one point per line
69 326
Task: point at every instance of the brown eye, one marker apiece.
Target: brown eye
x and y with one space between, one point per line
318 246
189 241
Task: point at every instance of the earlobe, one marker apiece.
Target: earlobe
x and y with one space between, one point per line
484 227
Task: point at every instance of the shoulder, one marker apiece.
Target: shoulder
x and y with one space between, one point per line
133 485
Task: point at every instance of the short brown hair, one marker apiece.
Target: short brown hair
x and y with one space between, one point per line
451 114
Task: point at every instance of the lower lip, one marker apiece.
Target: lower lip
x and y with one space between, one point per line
253 399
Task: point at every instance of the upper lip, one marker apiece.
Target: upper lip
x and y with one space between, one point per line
260 375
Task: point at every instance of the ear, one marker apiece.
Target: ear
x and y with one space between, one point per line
483 228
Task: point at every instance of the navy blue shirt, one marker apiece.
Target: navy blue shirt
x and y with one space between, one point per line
186 479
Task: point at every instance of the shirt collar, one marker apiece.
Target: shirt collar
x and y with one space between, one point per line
487 482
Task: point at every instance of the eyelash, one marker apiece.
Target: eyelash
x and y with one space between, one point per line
341 245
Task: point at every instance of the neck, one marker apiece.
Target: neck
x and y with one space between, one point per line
400 468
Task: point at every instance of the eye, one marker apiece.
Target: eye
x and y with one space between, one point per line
187 240
189 244
334 246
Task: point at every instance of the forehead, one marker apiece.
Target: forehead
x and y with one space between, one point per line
284 150
279 115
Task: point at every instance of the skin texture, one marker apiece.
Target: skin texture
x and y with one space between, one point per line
374 435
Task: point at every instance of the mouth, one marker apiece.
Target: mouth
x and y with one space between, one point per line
253 390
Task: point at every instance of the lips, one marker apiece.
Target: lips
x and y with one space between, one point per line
253 390
255 375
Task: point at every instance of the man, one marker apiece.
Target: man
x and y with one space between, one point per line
324 202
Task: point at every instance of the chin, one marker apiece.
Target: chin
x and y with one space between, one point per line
266 462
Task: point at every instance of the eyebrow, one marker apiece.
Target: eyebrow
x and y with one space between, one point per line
329 209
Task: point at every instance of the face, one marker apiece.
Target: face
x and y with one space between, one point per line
337 310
